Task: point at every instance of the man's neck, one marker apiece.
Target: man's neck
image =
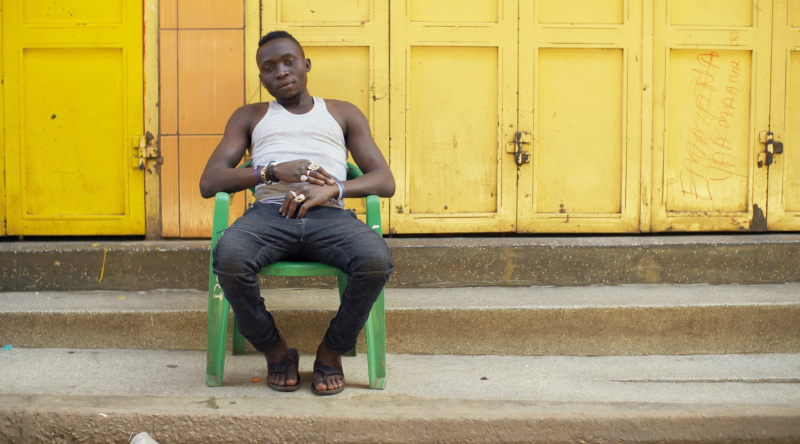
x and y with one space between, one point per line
299 103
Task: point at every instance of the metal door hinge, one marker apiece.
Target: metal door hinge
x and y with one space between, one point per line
145 152
521 157
773 147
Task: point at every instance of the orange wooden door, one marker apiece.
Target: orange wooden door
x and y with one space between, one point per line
204 50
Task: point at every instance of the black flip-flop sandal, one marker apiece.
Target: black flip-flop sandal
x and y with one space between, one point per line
280 367
327 370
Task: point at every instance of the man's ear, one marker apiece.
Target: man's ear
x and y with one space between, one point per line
308 65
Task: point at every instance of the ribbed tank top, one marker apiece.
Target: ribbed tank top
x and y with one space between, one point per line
282 136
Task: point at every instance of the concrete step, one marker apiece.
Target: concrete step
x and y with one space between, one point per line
104 396
427 262
577 321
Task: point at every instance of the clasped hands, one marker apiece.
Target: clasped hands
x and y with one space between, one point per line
316 187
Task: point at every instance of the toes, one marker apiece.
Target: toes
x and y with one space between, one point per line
327 383
291 380
334 382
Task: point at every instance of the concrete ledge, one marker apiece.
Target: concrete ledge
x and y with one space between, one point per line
578 321
428 262
43 419
102 396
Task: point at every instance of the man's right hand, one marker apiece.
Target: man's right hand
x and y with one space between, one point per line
293 172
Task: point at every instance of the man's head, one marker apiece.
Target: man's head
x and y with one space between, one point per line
282 65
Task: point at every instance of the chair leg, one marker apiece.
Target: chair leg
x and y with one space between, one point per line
218 312
238 338
341 279
376 345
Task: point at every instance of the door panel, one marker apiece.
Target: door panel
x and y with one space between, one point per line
436 127
711 82
579 95
74 103
60 118
572 166
453 108
707 160
784 174
348 44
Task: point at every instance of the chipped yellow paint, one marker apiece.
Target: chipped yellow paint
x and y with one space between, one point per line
647 117
73 103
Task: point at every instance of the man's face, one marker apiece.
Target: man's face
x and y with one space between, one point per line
283 68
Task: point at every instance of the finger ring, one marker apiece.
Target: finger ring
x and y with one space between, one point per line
308 173
303 178
313 166
300 198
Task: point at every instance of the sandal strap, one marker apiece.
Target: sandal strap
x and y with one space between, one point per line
280 367
328 369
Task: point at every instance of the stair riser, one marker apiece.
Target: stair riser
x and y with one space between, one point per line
529 331
453 262
215 421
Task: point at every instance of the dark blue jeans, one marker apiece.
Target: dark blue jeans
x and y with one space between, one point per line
328 235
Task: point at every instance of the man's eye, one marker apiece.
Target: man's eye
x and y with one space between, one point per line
290 62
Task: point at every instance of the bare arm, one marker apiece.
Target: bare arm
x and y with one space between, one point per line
220 173
377 178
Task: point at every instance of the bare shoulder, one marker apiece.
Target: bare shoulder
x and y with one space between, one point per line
252 112
342 108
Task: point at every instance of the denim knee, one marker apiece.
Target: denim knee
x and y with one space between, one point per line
233 254
376 260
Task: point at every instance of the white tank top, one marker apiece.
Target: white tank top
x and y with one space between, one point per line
282 136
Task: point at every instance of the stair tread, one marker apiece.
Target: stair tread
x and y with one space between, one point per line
757 379
462 298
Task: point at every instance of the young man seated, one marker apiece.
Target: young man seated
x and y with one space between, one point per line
299 152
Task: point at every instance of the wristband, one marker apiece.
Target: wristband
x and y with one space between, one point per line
271 172
341 191
255 174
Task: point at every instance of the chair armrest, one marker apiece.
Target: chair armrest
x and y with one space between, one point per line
221 206
374 213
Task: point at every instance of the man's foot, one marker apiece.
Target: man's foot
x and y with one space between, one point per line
282 367
328 378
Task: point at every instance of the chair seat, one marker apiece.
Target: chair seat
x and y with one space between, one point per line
299 268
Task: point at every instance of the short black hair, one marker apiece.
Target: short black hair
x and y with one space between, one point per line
272 35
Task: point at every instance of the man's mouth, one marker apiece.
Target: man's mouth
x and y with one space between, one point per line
285 85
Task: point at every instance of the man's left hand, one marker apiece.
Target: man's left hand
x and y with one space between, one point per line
309 196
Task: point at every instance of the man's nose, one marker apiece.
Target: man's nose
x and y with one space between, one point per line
282 72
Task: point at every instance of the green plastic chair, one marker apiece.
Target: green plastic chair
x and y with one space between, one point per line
219 308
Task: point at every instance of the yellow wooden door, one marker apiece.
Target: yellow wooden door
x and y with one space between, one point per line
783 211
453 109
711 100
348 44
73 117
580 116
